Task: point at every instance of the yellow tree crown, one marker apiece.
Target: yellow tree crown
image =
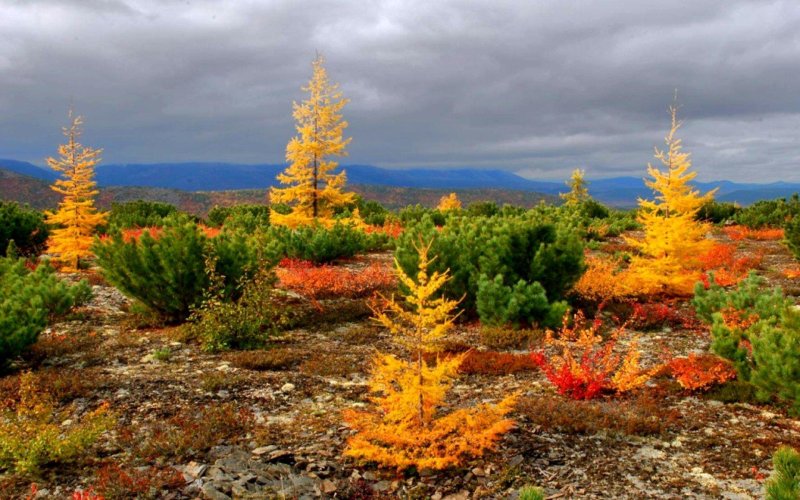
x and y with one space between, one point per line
673 238
76 217
312 189
578 188
449 202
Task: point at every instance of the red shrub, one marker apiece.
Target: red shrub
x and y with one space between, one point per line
586 365
653 315
114 481
322 282
495 363
726 267
392 229
738 233
86 495
698 372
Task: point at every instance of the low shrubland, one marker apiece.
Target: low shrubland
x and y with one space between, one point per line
24 226
506 269
31 298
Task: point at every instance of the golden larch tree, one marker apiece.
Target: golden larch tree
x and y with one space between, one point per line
578 188
449 202
407 428
312 189
667 259
76 217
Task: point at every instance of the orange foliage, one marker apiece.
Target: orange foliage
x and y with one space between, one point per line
324 282
603 281
586 365
791 273
726 267
738 233
134 233
490 362
392 229
697 372
407 427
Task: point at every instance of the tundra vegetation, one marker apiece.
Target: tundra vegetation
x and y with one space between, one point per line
322 345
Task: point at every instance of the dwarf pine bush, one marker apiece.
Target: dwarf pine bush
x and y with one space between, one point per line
28 299
784 484
170 272
23 226
512 269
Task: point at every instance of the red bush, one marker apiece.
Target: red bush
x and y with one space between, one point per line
697 372
496 363
323 282
738 233
114 481
652 315
725 266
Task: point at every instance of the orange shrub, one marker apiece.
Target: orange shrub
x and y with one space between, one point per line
698 372
738 233
586 365
602 281
726 267
326 281
488 362
392 229
133 234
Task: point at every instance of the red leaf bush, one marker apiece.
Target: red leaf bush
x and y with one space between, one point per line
738 233
326 281
701 371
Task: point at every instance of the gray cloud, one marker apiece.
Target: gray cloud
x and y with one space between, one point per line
535 87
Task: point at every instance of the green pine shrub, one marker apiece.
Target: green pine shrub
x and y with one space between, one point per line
717 212
769 213
415 213
792 236
23 226
784 484
170 273
482 209
248 217
28 301
759 331
776 359
322 245
505 268
139 213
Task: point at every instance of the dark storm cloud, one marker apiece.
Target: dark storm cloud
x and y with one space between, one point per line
534 87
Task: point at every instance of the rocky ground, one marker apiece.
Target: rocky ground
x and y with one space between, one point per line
219 426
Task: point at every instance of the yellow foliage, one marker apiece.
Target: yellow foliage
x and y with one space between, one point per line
34 433
449 202
587 364
406 429
76 217
424 319
602 281
312 189
673 241
578 190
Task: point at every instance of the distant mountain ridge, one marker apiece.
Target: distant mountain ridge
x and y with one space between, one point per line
198 176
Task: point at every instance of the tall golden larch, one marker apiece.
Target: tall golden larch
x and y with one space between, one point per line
673 241
312 189
76 217
578 190
449 202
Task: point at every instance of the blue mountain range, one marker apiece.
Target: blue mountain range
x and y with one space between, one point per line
198 176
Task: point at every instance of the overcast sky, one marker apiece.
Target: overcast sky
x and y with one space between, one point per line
536 87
